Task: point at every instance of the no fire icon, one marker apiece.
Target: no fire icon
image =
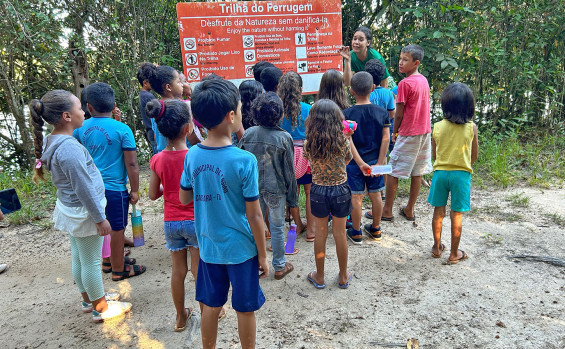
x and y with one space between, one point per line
192 74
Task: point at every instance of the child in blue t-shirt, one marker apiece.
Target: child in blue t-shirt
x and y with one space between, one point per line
371 144
112 147
223 182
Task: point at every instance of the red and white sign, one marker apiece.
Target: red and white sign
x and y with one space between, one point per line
228 38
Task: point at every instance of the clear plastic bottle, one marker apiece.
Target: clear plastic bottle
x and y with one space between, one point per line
290 240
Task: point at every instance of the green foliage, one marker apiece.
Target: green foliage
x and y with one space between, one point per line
510 53
38 200
532 157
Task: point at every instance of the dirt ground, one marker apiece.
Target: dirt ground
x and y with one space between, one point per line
398 292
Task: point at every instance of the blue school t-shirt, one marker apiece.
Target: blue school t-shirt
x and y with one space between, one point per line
383 97
222 180
106 140
370 119
161 140
299 132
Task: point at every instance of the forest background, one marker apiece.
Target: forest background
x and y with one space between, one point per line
509 52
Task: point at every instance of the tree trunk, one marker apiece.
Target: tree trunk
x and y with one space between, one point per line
78 62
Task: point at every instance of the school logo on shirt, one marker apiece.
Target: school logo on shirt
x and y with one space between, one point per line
218 172
99 129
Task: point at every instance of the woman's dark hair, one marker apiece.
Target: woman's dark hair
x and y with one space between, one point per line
50 109
333 88
270 77
249 90
144 72
458 103
160 76
258 68
212 100
290 91
170 115
267 109
324 131
368 33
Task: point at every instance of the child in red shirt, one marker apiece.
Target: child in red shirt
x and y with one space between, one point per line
174 122
411 156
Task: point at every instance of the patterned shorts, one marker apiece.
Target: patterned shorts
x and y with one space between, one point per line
411 156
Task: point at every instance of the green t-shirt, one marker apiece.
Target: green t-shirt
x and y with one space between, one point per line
357 65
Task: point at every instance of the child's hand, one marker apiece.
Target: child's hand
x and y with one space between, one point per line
345 52
133 197
104 227
263 267
366 169
393 138
117 113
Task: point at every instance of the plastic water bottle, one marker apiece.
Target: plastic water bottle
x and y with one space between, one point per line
137 227
290 239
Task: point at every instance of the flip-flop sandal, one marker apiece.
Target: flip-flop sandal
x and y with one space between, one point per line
403 214
222 315
286 271
267 235
311 279
441 249
137 270
189 314
292 253
369 215
345 285
127 260
387 219
463 257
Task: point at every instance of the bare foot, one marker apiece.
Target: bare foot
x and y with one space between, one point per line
222 314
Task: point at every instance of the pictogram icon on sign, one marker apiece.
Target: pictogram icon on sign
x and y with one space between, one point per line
191 59
249 71
248 41
190 44
192 74
302 67
249 55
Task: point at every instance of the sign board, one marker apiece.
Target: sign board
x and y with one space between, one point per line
228 38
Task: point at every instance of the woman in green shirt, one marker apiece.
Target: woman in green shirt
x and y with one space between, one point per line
361 53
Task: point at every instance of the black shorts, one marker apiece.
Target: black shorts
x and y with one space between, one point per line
335 199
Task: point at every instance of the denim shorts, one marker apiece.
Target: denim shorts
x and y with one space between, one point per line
213 283
117 209
456 182
334 199
358 182
180 235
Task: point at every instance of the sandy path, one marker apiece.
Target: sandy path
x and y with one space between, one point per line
398 291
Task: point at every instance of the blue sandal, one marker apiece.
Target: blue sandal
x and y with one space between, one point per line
317 285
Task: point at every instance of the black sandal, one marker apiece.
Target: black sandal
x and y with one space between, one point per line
137 270
127 260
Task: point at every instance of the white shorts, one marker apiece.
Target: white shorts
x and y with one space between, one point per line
411 156
75 220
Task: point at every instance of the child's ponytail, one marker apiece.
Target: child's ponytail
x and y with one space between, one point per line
170 116
36 110
50 108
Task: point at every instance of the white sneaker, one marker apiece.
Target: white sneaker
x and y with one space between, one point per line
114 310
110 296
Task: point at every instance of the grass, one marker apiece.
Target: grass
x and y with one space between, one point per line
518 200
556 218
38 200
535 158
